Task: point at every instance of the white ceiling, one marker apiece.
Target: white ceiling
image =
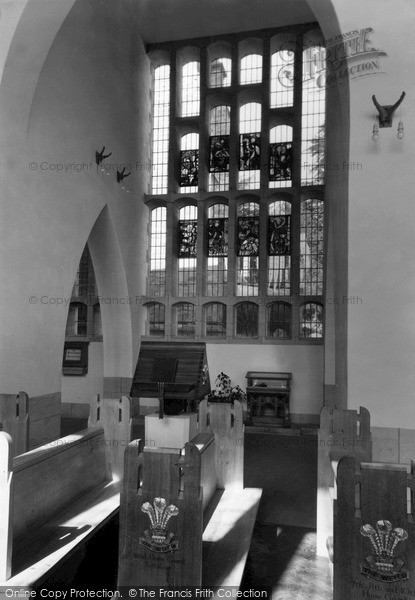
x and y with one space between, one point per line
168 20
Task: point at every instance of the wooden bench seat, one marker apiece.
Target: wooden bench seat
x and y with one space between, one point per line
227 536
54 498
214 515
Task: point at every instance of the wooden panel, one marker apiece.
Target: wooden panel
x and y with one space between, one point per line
226 422
51 477
367 563
14 419
205 444
176 560
341 433
114 416
52 543
6 505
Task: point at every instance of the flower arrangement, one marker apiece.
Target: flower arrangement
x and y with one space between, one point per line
224 391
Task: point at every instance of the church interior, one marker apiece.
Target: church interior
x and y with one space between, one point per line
194 198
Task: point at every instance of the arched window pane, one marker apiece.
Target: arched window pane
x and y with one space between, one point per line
157 283
220 72
217 261
280 156
215 320
156 319
311 320
247 274
312 248
161 118
279 249
249 145
313 116
279 320
219 148
246 320
187 252
251 69
189 163
282 75
190 89
185 320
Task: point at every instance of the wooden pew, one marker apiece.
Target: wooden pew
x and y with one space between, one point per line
374 531
54 498
206 516
14 420
341 433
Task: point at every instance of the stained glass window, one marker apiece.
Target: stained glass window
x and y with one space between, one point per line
187 237
279 248
249 145
156 319
220 72
185 319
279 320
215 319
282 73
248 249
217 261
281 156
273 242
190 89
246 320
189 163
161 123
219 153
313 114
251 69
220 123
157 283
311 320
187 241
312 248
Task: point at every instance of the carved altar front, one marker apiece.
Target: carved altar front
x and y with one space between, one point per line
268 397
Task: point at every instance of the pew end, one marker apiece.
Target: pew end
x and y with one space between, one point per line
210 515
62 494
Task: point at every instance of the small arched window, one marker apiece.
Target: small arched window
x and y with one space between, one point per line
279 320
215 319
251 69
156 319
220 72
311 320
246 320
185 319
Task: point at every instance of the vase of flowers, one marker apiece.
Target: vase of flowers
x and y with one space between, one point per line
224 391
